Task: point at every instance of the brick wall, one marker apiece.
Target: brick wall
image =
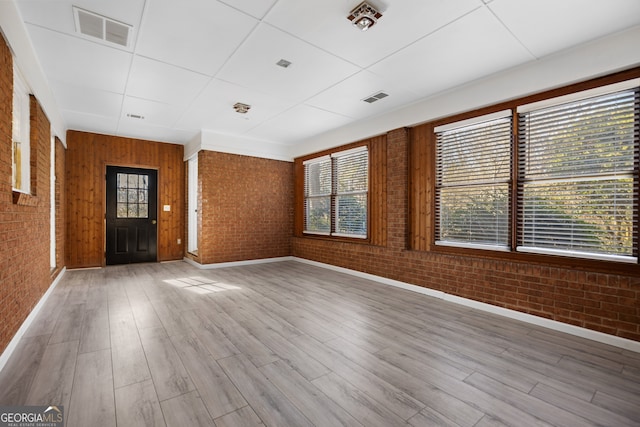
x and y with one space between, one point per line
24 221
600 301
245 207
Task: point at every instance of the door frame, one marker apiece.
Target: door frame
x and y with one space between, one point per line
105 164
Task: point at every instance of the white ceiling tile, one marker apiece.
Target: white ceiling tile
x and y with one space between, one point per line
255 8
87 100
77 120
346 97
151 132
199 35
296 124
213 109
546 26
312 70
153 112
157 81
468 49
402 23
79 62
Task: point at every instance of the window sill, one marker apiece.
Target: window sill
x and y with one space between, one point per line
583 264
336 238
24 199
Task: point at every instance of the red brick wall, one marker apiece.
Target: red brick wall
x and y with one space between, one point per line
246 207
24 226
603 302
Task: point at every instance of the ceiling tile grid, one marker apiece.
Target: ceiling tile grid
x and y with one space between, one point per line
188 62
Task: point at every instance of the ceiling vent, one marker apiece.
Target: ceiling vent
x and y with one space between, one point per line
375 97
100 27
283 63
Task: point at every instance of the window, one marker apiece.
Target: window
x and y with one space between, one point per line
336 194
578 176
133 196
473 177
575 183
21 162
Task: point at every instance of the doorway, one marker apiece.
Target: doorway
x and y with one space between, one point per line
131 217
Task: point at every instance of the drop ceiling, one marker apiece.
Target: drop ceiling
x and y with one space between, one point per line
188 62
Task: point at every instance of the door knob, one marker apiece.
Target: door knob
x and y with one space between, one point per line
153 221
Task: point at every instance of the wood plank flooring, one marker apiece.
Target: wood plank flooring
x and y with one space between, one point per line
288 344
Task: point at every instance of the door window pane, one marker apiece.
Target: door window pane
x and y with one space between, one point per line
133 196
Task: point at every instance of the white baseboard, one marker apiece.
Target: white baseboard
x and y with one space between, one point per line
238 263
13 344
555 325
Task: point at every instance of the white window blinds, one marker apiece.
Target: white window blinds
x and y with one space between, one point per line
578 177
317 196
473 170
351 187
336 194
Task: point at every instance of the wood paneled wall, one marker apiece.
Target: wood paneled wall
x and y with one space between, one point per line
88 155
421 195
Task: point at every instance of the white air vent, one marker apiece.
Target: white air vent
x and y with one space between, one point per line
375 97
100 27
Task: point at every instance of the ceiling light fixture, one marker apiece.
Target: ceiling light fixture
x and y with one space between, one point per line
364 16
241 108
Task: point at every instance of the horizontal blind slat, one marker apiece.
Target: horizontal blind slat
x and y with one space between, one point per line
578 176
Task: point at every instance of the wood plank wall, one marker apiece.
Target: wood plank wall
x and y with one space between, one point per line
421 194
378 190
88 154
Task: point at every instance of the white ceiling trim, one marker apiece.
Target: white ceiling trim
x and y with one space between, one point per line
242 146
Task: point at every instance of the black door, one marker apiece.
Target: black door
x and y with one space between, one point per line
132 231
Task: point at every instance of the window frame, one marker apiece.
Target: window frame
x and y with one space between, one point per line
552 176
332 156
21 95
453 182
513 254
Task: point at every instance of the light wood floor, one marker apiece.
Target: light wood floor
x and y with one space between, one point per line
287 344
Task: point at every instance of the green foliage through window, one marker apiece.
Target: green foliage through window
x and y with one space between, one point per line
336 194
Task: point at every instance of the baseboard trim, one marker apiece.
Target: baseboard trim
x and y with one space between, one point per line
13 344
555 325
237 263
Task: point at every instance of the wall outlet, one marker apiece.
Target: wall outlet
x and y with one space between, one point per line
167 208
179 241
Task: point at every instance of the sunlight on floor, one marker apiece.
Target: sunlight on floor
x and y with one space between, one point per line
200 285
